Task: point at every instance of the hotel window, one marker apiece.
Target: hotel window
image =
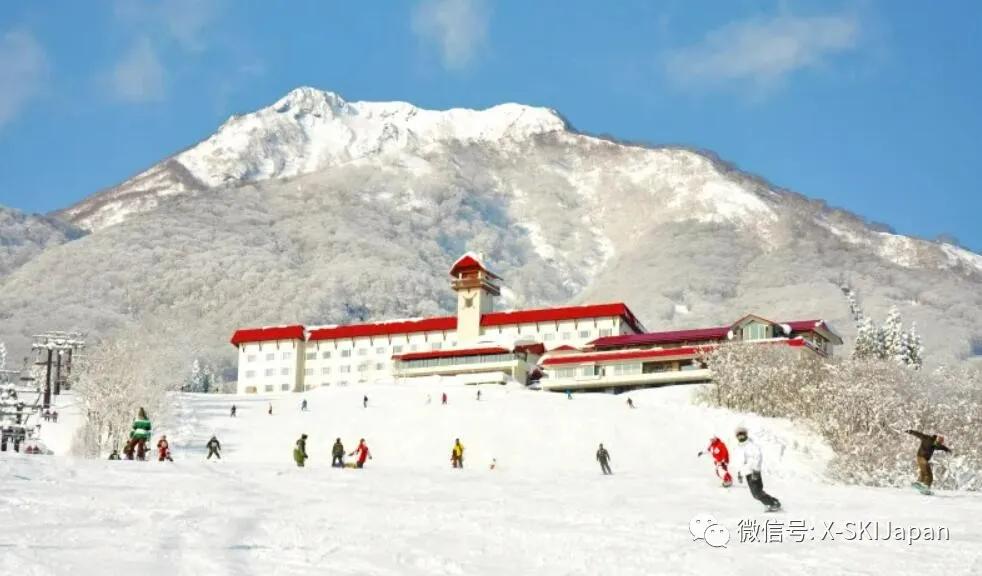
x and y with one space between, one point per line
362 367
285 387
380 366
311 355
396 349
362 351
755 331
627 369
437 345
380 350
548 336
345 369
251 358
346 353
250 374
284 371
270 372
584 333
308 372
326 354
270 357
326 370
567 335
287 355
605 332
269 388
565 372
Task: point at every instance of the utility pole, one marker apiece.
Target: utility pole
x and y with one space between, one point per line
60 344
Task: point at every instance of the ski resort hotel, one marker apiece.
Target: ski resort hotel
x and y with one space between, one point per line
598 347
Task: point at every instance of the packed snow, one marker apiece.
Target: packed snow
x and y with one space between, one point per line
544 509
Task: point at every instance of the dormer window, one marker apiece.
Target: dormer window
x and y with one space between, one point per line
755 331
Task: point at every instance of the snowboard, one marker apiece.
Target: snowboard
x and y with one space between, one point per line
921 488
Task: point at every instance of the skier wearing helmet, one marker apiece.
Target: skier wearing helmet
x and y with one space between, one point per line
750 467
721 459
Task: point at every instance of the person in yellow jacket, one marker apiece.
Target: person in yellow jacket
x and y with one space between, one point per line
457 456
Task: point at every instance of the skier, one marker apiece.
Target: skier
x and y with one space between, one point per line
630 403
129 448
569 394
721 458
300 451
139 435
363 453
604 458
364 402
114 455
214 447
303 405
457 454
337 454
752 460
444 398
929 443
270 411
478 395
494 463
163 449
233 410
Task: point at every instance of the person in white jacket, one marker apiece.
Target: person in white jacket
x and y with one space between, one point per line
750 465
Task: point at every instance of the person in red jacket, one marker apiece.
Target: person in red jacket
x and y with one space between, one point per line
163 449
362 452
721 458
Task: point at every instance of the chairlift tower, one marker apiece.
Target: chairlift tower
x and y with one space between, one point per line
55 351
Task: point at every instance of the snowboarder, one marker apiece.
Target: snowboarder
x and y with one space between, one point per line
233 410
163 449
363 454
929 443
303 405
364 402
752 460
569 394
444 398
457 454
300 451
114 455
337 454
721 458
494 463
478 395
630 403
214 448
603 456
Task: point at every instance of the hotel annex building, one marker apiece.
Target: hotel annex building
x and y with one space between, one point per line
598 347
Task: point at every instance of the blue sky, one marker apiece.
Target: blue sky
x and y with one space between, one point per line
871 106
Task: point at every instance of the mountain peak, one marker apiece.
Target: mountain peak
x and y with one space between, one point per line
307 99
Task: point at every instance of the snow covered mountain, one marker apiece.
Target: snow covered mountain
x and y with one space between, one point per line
319 210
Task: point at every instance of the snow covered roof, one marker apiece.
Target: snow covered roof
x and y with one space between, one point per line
450 353
685 351
267 334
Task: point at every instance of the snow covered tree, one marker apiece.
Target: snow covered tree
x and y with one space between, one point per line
3 356
869 340
854 309
201 379
893 335
913 356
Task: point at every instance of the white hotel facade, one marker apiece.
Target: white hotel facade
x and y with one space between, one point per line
600 347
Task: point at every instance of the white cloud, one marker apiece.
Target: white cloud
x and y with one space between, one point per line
458 27
761 51
23 66
187 20
139 75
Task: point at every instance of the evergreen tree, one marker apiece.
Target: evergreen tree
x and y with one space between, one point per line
894 336
868 342
914 348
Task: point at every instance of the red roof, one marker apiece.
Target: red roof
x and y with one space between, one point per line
672 337
534 348
450 353
469 262
565 313
382 328
627 355
244 335
699 335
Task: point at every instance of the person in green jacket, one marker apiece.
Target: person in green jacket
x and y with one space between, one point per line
300 452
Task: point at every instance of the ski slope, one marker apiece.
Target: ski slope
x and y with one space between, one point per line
545 509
